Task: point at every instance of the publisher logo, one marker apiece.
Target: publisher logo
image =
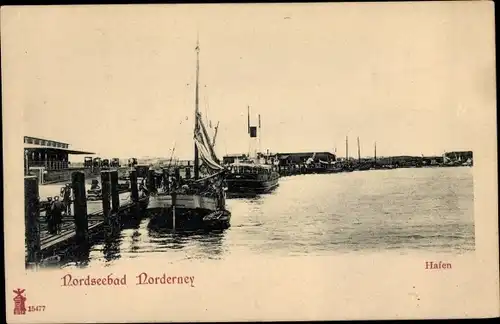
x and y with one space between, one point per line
19 302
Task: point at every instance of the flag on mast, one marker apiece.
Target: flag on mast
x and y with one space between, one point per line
248 110
253 131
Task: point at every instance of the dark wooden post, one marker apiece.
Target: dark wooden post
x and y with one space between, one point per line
134 190
106 193
31 215
188 172
166 184
158 181
174 202
26 162
151 181
134 193
177 174
80 206
115 196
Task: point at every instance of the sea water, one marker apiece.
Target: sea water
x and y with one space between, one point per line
400 211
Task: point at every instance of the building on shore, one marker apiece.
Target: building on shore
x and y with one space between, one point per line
48 159
459 155
50 154
301 158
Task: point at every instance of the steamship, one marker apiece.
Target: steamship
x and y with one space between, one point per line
251 175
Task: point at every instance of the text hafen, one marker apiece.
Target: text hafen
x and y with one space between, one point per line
435 265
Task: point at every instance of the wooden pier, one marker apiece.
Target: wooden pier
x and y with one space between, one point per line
87 218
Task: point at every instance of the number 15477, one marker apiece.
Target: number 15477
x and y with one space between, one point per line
39 308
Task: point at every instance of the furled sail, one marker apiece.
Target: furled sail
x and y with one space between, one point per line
205 149
208 142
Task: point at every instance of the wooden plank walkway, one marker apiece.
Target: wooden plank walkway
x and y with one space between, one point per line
95 217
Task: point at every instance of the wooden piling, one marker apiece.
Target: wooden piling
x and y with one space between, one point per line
115 196
177 173
106 194
159 181
32 216
134 190
151 181
80 206
166 184
174 202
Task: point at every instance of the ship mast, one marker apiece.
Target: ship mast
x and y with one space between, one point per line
347 148
249 133
259 137
359 152
196 102
248 115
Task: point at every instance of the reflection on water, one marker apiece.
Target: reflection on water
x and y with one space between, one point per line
403 209
78 257
111 249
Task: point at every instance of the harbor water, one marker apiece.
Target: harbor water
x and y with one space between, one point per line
401 210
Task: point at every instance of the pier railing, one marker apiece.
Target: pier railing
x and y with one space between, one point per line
50 165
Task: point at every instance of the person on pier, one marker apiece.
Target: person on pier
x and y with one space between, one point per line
180 182
49 217
143 191
95 185
159 180
173 182
166 183
66 195
57 209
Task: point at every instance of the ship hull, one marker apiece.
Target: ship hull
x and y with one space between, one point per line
191 213
240 186
161 201
186 219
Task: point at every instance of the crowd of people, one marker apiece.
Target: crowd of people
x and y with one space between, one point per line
208 187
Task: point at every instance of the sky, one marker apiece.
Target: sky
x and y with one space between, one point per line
119 80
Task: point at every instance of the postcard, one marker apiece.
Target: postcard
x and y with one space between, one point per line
250 162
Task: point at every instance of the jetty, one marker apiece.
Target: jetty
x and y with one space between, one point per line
87 218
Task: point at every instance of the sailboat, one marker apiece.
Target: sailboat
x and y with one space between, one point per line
250 176
199 203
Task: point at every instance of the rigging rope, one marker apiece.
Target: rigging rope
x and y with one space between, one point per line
205 97
175 142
